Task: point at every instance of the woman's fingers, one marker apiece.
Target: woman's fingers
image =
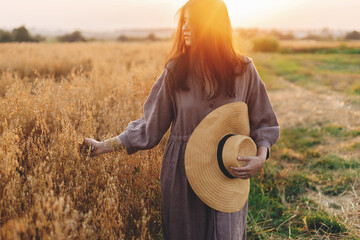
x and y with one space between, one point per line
251 165
242 175
87 147
245 169
240 171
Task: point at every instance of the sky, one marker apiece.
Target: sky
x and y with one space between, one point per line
107 15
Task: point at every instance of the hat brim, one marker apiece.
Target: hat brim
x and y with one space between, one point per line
202 170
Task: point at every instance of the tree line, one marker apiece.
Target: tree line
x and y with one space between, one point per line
21 34
324 35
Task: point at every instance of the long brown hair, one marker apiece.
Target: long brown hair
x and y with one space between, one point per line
211 51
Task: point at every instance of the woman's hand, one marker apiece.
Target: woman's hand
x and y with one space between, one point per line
252 164
96 147
92 146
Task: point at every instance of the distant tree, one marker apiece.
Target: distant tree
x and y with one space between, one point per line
249 33
287 36
72 37
151 37
5 36
354 35
38 38
282 36
324 35
21 34
123 38
312 36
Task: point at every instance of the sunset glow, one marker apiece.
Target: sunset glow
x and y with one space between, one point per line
111 14
255 6
249 12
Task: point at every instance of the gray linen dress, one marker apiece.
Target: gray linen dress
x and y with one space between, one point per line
184 215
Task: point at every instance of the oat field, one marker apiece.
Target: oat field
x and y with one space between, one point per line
52 95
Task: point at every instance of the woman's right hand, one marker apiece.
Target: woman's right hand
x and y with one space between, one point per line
95 147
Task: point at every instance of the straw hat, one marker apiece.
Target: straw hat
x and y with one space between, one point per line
213 148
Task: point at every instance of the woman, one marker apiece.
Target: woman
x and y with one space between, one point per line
203 72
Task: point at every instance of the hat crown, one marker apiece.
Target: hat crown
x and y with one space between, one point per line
237 146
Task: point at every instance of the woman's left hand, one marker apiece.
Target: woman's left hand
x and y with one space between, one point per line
252 165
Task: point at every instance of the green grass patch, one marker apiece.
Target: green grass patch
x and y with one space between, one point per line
338 72
336 131
287 67
301 139
339 131
355 146
338 63
292 70
339 184
334 175
265 211
265 208
278 204
330 174
299 218
334 162
341 49
338 51
270 79
304 140
296 185
321 222
290 156
333 190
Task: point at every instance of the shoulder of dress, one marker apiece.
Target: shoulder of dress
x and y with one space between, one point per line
170 64
245 59
243 65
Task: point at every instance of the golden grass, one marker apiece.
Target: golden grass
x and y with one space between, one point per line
27 61
47 187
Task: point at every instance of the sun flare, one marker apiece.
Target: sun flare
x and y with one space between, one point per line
253 6
255 10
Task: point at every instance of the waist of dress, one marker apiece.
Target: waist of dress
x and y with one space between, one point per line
178 138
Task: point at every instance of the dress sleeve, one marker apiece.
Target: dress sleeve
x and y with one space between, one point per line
264 126
146 132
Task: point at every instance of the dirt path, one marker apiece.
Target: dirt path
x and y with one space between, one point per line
296 106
